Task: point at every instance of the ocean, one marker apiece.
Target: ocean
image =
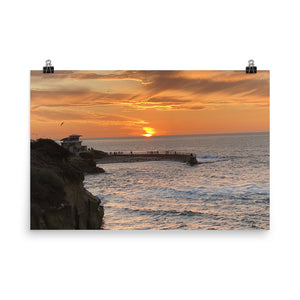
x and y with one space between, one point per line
228 190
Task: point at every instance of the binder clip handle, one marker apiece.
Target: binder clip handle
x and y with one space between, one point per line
48 68
250 62
251 68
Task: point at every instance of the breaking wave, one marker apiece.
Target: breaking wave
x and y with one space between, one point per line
211 158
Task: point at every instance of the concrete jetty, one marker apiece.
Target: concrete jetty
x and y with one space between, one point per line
122 157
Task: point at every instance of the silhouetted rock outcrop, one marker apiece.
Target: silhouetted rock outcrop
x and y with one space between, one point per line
86 165
93 154
58 198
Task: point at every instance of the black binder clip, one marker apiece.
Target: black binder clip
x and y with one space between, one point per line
251 68
48 68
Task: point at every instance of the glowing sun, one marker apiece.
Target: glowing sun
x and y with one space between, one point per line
148 131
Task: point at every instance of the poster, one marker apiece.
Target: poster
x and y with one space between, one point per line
162 150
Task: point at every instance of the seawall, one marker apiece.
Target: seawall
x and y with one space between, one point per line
124 158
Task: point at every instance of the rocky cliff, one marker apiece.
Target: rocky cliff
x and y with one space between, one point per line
86 165
58 198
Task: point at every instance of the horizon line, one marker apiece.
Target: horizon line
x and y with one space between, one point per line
139 136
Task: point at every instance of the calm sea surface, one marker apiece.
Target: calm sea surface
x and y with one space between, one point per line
230 190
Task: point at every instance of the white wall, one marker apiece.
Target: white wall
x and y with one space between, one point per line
149 35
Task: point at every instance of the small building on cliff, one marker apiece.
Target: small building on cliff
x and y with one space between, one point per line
73 144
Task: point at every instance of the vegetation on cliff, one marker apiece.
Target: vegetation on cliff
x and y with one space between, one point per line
58 198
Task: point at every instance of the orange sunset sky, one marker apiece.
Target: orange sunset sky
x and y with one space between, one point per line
145 103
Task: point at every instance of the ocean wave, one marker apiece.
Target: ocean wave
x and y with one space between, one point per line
162 212
211 158
177 214
102 199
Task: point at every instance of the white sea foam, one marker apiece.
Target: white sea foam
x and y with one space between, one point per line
210 158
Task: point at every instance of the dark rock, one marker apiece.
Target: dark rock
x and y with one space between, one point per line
93 154
86 165
58 198
193 161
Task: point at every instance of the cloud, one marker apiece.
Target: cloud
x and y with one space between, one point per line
200 86
140 76
120 103
160 90
79 97
194 107
83 116
167 100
